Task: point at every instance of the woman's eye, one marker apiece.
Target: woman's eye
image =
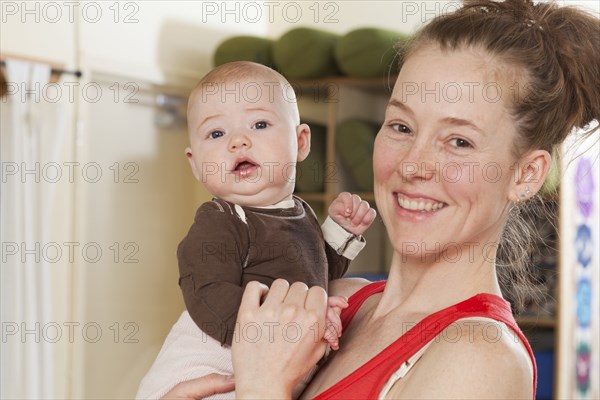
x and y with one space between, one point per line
401 128
216 134
260 125
462 143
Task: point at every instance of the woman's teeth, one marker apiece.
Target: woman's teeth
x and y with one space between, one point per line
419 205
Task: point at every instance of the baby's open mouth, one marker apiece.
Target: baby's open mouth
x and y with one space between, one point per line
244 166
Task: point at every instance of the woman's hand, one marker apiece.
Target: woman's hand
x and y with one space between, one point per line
277 342
201 387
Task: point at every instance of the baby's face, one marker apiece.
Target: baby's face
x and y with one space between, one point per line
245 141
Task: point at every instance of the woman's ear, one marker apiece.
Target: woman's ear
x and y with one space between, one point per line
303 135
530 174
190 158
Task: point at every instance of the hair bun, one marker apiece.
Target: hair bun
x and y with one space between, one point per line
575 37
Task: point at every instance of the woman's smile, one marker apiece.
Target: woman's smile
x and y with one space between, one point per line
418 203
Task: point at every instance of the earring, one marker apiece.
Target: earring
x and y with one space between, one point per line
527 193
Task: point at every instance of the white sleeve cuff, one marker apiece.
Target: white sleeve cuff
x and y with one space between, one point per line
343 242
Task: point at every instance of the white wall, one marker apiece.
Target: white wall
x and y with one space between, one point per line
158 41
168 40
34 31
343 16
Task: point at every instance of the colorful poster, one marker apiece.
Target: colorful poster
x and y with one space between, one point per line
578 371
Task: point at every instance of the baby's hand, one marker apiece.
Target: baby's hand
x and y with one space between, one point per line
352 213
335 305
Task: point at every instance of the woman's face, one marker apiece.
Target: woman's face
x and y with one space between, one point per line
443 164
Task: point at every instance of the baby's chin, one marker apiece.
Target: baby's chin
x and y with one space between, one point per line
262 199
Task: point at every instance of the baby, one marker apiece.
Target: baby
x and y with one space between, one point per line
245 140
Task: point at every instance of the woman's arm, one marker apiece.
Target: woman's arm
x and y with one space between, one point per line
275 344
201 387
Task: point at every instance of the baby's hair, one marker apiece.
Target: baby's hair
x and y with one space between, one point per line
241 70
554 53
237 71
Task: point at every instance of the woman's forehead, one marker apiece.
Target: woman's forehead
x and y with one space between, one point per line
452 88
463 74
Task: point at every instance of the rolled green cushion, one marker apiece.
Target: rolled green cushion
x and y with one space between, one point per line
310 173
354 143
306 53
244 48
368 52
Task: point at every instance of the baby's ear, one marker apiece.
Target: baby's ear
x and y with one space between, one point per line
303 135
190 158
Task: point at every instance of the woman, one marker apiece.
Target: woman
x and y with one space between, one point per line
484 97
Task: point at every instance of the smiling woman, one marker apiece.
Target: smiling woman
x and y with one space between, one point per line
438 154
533 64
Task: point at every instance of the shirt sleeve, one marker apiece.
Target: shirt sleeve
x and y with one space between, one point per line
343 242
210 267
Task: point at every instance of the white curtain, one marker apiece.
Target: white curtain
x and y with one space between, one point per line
33 135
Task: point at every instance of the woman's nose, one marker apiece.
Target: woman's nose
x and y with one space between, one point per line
239 141
418 163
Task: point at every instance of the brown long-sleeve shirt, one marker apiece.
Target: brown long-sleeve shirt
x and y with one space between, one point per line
222 253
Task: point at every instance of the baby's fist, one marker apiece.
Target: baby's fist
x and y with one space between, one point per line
352 213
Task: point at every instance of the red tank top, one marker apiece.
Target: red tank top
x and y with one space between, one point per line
367 381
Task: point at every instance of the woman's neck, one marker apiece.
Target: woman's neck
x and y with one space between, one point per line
426 285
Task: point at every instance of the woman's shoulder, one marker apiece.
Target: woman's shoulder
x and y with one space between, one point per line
472 358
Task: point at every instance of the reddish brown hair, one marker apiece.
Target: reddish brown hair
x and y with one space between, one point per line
557 50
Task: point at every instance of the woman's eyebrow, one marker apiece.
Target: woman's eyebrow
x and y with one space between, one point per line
463 122
447 120
401 105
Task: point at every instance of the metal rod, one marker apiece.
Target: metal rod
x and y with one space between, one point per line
57 71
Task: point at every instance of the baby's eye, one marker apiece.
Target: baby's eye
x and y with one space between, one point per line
261 125
216 134
461 143
401 128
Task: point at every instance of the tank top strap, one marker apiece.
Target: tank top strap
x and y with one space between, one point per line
356 301
369 379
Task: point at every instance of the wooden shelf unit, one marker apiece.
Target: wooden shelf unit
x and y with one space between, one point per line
327 92
334 100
